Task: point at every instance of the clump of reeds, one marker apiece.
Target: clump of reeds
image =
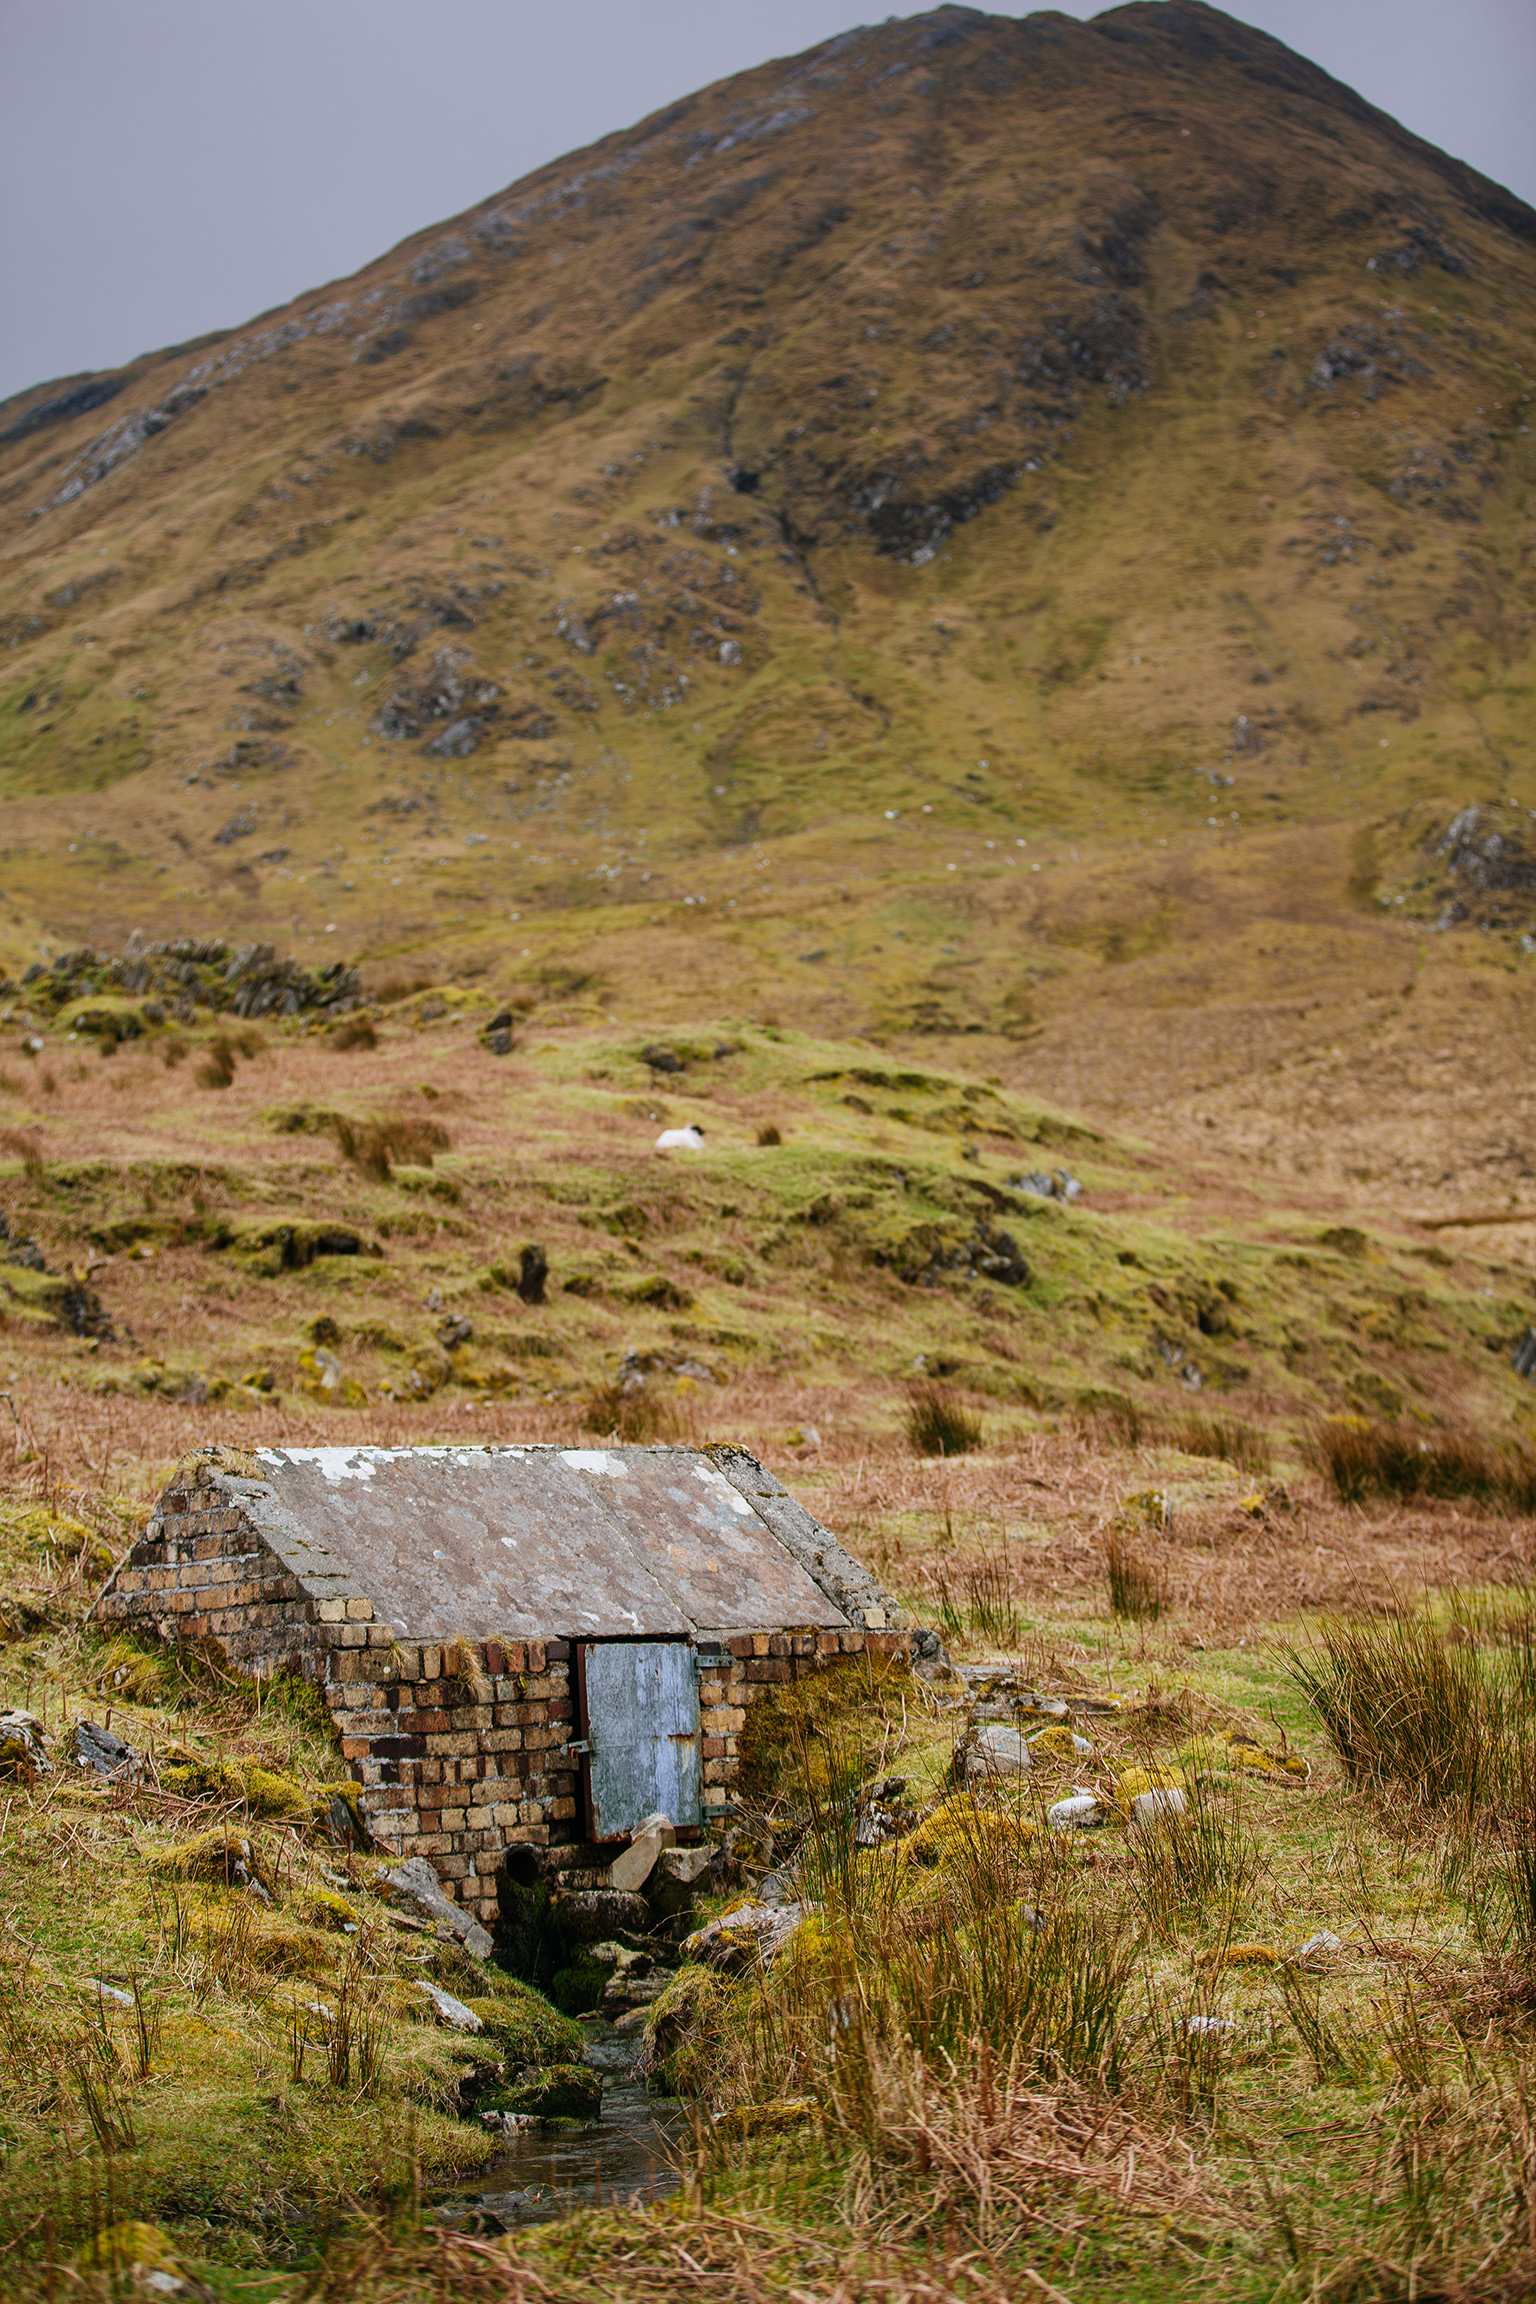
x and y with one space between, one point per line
984 1602
1195 1856
1409 1711
938 1423
1227 1438
1138 1585
27 1150
634 1413
217 1070
1402 1460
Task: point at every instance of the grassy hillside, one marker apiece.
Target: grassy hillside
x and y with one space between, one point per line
987 527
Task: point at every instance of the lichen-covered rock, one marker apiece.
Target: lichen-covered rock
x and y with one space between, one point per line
137 2259
748 1935
21 1745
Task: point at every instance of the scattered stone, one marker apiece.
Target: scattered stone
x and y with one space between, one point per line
450 2010
244 980
634 1979
1206 2027
416 1884
679 1874
1057 1185
1149 1809
110 1992
1082 1812
1064 1742
929 1660
1320 1946
533 1274
104 1754
777 1887
999 1751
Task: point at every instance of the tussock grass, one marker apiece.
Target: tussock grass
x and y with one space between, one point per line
1403 1461
1228 1438
373 1146
985 1603
636 1414
938 1423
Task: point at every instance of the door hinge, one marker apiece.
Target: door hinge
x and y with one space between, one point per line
578 1748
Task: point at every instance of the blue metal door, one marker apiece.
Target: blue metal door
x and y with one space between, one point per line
640 1719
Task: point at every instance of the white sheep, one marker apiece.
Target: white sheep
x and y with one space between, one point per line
689 1139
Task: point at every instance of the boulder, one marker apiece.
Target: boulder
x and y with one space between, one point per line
103 1754
745 1936
589 1915
415 1885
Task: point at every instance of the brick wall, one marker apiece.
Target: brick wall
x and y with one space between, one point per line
199 1572
460 1752
750 1665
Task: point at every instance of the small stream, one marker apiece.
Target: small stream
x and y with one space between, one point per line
543 2174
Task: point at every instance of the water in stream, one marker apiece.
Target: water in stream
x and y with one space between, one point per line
542 2174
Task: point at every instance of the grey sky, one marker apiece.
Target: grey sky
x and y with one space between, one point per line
172 166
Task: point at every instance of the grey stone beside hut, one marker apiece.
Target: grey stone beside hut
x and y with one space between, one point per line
517 1644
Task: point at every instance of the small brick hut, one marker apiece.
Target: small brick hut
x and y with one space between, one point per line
530 1644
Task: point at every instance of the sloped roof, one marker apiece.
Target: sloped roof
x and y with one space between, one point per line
540 1542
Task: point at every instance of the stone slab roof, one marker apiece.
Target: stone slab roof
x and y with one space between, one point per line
540 1542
